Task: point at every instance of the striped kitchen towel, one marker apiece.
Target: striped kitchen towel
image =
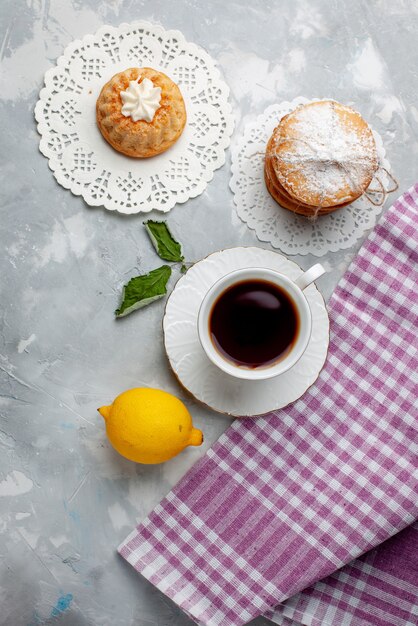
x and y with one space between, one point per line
284 500
378 589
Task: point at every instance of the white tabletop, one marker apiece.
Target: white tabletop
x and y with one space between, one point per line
66 498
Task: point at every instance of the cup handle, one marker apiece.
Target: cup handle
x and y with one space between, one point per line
309 276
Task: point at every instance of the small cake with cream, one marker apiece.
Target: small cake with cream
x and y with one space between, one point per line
140 112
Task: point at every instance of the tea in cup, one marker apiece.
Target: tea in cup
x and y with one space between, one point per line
255 323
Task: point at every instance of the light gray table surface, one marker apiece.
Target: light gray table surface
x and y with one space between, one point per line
66 498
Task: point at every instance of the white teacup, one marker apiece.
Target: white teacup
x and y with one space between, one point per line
293 290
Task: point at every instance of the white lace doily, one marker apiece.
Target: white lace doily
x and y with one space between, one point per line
85 163
291 233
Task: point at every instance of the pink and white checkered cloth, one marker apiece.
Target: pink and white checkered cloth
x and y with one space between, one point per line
379 588
283 501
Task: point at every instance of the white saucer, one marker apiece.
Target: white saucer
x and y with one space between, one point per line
204 380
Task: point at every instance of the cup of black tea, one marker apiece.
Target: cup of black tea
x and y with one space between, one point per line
255 323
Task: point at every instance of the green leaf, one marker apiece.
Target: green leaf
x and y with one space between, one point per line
163 241
142 290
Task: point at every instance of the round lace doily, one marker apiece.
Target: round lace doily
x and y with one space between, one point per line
85 163
291 233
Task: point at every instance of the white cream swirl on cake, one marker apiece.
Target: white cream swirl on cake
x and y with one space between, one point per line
141 100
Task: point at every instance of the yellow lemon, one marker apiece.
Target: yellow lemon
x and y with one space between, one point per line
149 425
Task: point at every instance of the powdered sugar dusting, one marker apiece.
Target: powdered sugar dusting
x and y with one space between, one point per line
322 158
